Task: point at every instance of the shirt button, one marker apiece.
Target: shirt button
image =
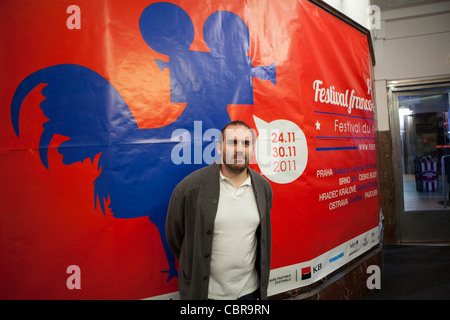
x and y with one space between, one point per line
214 201
205 278
208 232
207 255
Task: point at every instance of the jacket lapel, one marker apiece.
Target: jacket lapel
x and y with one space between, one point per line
211 192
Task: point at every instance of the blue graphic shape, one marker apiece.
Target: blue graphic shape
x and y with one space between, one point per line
136 174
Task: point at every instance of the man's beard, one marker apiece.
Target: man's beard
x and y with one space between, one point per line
238 166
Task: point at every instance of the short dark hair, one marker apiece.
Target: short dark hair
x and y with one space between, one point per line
237 123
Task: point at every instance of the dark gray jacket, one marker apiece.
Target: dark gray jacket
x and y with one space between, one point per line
190 227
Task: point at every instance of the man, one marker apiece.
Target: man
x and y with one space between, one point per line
218 224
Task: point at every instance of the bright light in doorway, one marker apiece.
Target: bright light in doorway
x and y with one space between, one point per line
405 112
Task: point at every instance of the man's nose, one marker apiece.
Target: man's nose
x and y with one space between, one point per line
240 147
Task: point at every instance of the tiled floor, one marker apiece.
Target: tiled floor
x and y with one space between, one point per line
415 200
414 272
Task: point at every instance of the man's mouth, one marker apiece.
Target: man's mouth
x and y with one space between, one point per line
239 159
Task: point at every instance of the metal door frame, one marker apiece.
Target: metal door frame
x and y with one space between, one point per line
413 226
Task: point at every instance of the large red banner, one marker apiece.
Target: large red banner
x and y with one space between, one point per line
103 105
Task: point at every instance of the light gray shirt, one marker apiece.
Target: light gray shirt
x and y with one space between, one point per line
233 273
190 227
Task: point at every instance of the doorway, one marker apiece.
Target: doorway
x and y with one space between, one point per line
419 116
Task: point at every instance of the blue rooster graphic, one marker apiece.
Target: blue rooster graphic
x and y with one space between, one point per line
135 173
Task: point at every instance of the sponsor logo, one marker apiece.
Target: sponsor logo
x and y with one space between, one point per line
340 255
306 273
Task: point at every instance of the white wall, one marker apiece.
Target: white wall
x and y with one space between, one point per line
355 9
411 43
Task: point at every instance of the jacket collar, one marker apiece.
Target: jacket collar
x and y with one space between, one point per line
214 178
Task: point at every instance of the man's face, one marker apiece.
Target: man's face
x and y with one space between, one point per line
237 148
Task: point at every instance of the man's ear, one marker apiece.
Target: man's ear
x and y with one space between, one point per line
219 152
219 149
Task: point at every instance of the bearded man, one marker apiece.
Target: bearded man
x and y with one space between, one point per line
218 224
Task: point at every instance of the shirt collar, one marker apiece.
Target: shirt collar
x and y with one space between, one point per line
247 181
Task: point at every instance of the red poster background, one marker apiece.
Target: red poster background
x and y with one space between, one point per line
48 220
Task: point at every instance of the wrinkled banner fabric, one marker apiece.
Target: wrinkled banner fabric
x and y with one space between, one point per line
107 105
